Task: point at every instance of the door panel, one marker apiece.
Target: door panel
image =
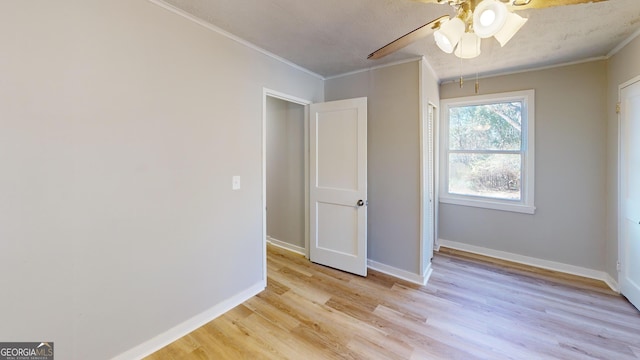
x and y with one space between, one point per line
338 181
344 227
337 153
630 193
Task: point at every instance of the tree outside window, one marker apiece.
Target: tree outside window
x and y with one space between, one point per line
488 153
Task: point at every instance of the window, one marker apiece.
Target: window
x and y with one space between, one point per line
487 149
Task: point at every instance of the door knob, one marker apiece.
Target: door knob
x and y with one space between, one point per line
360 203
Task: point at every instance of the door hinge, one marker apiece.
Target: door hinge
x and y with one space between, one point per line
618 266
618 107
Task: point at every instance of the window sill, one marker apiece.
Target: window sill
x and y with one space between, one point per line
488 204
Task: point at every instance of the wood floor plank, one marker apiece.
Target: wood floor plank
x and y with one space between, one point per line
472 308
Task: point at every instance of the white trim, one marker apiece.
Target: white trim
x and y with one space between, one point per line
611 282
619 220
401 274
619 177
626 84
400 62
427 275
422 100
285 245
487 204
436 175
427 174
389 270
266 92
527 70
526 204
157 342
431 69
285 97
624 43
263 175
230 36
531 261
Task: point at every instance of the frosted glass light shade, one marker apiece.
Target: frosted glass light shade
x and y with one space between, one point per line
448 35
489 17
469 46
512 25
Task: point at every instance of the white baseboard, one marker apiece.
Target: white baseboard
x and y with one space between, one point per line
531 261
150 346
613 284
427 274
389 270
285 245
401 274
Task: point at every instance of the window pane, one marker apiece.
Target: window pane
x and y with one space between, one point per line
486 127
488 175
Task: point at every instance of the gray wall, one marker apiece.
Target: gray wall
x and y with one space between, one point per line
623 66
393 159
571 146
121 125
285 172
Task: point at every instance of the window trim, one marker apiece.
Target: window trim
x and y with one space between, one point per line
526 203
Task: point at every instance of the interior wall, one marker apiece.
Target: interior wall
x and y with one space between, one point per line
285 172
121 126
570 176
622 67
393 159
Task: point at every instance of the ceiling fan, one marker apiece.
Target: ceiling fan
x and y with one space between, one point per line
475 20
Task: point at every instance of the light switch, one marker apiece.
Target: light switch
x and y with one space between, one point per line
235 182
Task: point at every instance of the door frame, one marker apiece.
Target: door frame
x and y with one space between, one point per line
619 182
266 93
428 237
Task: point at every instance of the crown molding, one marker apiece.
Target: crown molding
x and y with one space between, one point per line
506 73
230 36
624 43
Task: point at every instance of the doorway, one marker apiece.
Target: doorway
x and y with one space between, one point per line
332 125
629 193
286 169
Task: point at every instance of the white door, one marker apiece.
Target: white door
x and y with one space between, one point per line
630 193
338 184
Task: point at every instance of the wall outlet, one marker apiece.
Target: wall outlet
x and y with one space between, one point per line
235 182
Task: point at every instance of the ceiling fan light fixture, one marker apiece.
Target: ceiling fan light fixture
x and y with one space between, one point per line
448 36
512 25
489 17
469 46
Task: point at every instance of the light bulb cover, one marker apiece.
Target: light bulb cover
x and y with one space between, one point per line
469 46
512 25
449 34
489 17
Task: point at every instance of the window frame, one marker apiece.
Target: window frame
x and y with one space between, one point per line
526 202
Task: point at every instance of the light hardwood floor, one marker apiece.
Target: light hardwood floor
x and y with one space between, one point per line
470 309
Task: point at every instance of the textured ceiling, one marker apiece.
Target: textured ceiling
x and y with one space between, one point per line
333 37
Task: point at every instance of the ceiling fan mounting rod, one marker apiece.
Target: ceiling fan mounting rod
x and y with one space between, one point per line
465 13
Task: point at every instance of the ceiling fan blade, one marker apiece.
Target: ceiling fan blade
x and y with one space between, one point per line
419 33
541 4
